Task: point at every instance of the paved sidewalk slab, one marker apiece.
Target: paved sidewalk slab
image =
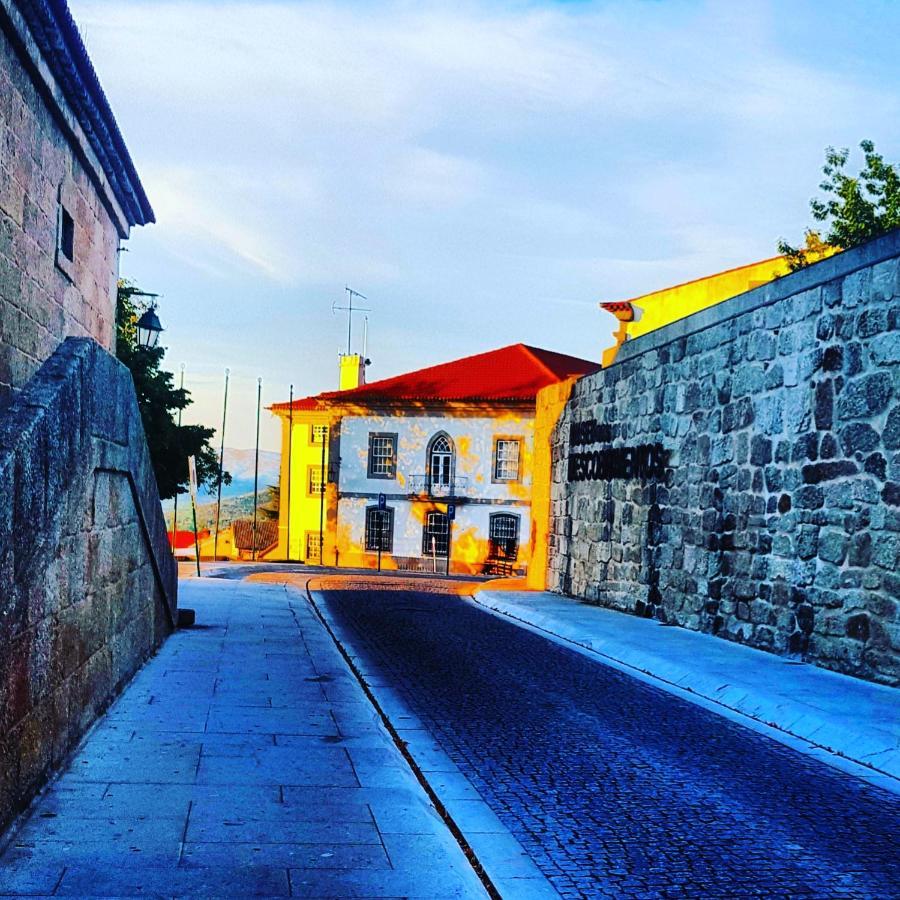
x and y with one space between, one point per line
243 760
854 719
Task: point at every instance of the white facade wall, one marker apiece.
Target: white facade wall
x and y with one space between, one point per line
468 537
478 494
473 438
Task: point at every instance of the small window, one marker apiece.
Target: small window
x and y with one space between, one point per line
436 535
382 455
506 459
64 256
503 537
313 545
379 529
318 434
315 483
66 234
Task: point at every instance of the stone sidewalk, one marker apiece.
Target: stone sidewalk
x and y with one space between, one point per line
244 759
844 721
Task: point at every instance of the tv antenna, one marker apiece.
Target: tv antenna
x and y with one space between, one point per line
350 309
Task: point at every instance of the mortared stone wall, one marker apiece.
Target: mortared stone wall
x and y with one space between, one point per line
45 298
763 501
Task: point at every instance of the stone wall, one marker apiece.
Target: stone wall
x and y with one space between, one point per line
776 522
87 581
42 165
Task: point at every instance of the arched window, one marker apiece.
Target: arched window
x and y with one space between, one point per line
441 462
504 537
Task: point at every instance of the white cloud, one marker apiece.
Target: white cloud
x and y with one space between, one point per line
469 159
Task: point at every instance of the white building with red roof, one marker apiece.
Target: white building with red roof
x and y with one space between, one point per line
433 468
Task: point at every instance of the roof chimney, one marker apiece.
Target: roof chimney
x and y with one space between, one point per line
353 371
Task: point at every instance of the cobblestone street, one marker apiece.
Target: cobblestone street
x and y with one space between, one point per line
614 787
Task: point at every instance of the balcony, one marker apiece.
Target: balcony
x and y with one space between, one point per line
458 488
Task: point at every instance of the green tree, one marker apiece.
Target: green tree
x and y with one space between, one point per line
271 502
159 401
854 209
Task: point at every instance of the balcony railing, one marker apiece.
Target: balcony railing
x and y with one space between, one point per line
422 485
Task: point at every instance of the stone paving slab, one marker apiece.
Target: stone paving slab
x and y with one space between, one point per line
856 720
244 760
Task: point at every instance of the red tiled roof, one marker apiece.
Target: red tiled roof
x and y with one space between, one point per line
182 539
514 373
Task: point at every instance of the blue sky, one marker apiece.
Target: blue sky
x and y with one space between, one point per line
484 172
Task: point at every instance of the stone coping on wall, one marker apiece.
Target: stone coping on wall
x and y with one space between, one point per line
838 266
80 395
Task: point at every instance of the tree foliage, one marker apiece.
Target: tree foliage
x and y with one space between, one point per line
854 208
271 502
159 401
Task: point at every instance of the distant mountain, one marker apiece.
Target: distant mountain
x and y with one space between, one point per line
239 463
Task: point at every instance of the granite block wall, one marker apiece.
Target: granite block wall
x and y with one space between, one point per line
87 581
775 520
41 301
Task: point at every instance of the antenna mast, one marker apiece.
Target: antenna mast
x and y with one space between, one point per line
350 309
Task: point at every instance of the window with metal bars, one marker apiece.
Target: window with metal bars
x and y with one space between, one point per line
315 482
318 434
436 535
313 545
379 529
503 537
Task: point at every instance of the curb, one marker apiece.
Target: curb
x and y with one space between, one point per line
497 857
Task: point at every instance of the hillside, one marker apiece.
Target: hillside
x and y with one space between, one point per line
240 507
237 497
239 463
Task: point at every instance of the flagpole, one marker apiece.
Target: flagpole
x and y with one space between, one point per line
192 478
256 462
322 505
289 467
221 465
175 510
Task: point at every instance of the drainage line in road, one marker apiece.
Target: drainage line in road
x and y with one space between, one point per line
401 746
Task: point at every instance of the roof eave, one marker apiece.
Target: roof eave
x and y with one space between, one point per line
55 39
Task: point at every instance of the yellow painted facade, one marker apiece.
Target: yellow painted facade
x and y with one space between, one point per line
652 311
304 488
550 403
224 549
304 443
353 371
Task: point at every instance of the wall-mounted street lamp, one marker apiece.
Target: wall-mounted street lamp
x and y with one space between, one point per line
149 328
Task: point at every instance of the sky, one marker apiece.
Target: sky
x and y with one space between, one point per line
483 172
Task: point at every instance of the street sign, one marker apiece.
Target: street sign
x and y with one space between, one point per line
382 501
192 477
451 511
